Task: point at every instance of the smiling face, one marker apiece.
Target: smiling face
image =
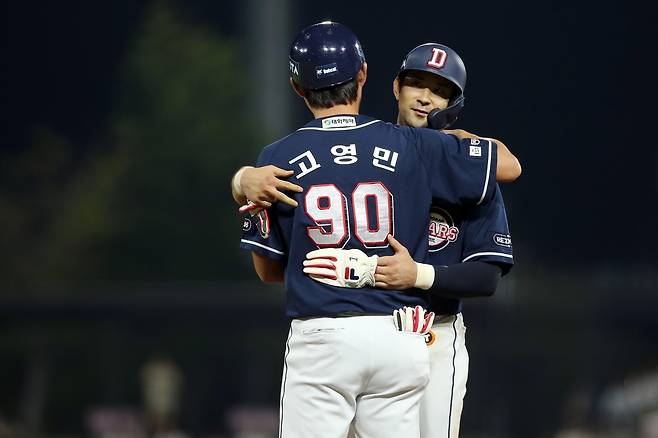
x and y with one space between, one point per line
418 93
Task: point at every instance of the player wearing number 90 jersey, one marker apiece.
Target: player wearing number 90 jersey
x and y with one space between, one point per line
363 179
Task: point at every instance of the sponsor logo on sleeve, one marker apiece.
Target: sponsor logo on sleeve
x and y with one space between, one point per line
503 240
475 151
246 225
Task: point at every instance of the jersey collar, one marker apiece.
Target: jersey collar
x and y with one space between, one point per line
339 121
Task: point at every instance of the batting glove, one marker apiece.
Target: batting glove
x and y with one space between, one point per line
413 319
262 217
250 207
341 267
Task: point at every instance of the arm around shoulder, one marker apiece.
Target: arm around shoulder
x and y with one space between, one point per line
263 186
508 167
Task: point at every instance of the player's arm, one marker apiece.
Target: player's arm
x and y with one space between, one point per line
400 272
268 270
263 186
508 167
462 280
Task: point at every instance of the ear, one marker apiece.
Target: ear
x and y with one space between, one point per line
296 88
396 88
362 74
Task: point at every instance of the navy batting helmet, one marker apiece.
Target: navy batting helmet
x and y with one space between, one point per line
442 61
325 55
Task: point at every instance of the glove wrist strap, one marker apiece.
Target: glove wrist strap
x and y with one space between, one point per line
424 276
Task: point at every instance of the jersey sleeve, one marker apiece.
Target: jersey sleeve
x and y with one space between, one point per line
261 232
487 237
461 172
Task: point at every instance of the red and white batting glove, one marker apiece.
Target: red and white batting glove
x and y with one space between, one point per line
413 319
341 267
250 207
263 219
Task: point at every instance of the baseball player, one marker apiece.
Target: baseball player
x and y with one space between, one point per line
470 247
432 80
346 360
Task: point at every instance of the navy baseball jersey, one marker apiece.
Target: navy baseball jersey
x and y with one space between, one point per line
363 179
465 233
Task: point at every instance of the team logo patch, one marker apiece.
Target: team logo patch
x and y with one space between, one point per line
430 337
246 225
326 70
503 240
442 229
438 59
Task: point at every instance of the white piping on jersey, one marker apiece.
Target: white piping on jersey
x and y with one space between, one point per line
486 180
313 128
251 242
478 254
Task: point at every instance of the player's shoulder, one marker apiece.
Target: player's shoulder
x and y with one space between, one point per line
433 134
269 152
279 143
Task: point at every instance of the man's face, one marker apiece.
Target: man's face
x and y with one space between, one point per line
418 93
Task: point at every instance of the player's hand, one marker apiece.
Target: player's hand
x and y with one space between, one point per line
265 185
398 271
341 267
413 319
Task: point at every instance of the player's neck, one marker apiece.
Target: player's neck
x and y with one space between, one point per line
352 108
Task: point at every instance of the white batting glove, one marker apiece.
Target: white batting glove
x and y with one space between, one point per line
413 319
341 267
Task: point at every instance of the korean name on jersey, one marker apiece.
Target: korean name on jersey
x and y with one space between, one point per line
363 179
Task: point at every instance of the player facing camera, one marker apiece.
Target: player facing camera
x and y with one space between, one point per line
429 87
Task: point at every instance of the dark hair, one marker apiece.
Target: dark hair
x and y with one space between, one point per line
342 94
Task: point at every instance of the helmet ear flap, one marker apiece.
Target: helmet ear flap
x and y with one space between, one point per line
443 118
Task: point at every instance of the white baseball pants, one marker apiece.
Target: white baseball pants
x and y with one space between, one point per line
443 400
358 370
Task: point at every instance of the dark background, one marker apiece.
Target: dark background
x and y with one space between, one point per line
125 121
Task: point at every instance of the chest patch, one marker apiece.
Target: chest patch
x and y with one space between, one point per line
442 229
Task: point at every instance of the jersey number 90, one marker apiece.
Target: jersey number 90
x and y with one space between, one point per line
328 207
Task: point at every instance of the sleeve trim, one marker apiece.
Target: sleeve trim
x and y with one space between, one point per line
486 179
479 254
251 242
